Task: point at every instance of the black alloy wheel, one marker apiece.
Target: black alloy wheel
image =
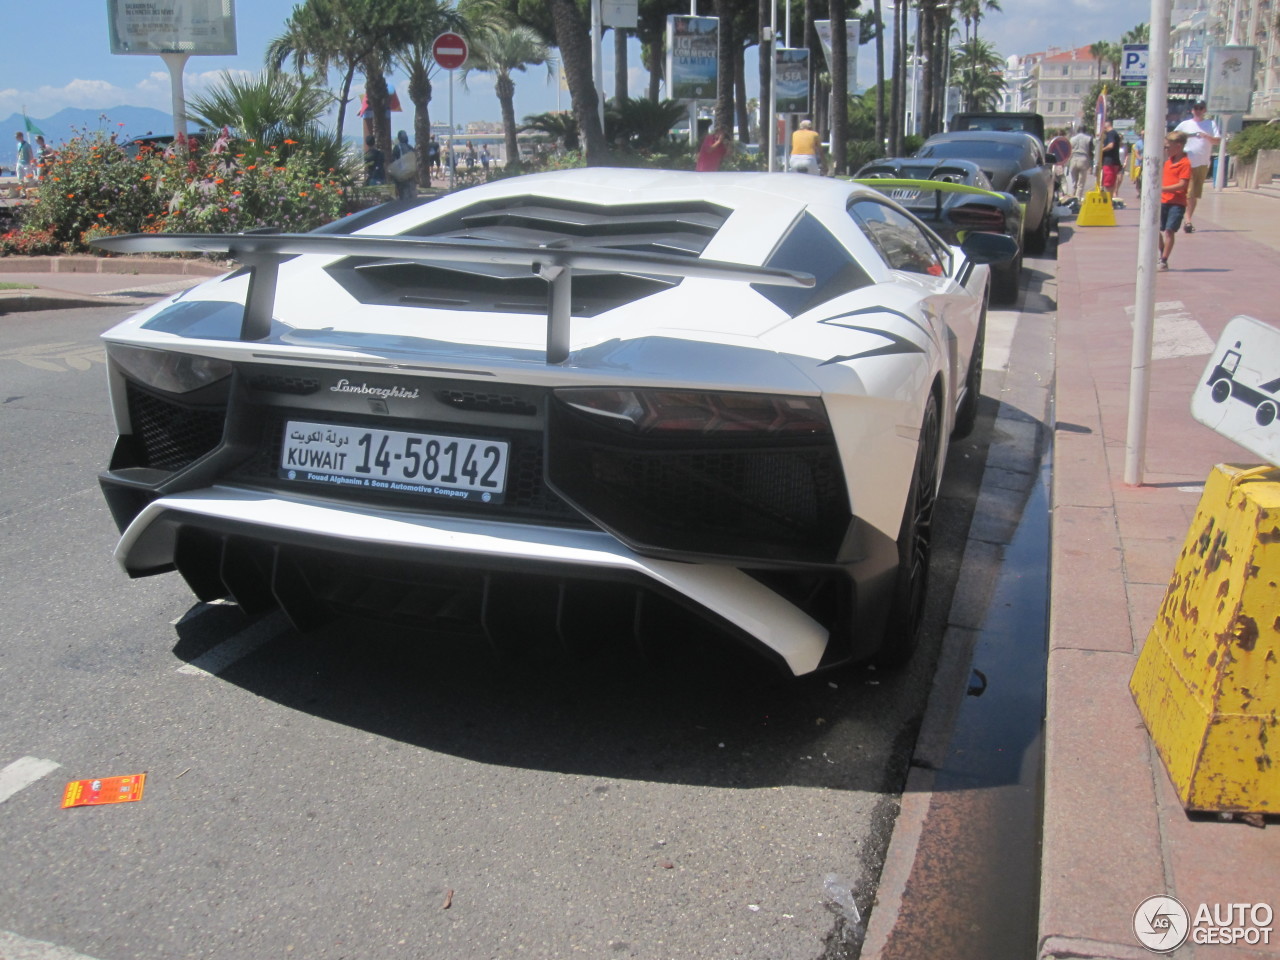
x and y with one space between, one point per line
915 542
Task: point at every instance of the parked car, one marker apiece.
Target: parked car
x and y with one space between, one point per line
1015 163
575 405
954 197
1032 123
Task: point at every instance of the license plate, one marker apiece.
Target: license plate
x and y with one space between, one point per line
903 193
461 468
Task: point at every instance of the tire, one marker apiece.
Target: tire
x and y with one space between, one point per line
1266 413
915 541
1039 241
967 415
1005 280
1221 390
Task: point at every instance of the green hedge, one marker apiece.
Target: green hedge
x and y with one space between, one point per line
1261 136
95 187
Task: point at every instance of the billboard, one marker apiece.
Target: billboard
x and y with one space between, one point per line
172 26
852 40
691 58
1228 79
791 74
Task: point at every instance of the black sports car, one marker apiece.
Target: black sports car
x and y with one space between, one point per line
955 198
1013 162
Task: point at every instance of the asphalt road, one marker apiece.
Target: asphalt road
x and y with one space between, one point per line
369 792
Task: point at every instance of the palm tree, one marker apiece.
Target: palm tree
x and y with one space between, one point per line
839 87
972 13
574 41
976 68
316 36
1098 51
561 127
500 46
1139 34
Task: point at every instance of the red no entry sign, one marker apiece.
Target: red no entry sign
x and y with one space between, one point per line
449 51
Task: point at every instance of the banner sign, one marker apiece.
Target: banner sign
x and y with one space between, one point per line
791 72
1228 79
691 57
852 30
206 27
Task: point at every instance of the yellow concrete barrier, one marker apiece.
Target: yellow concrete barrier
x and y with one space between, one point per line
1096 211
1208 680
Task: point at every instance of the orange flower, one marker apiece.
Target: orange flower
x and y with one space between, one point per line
147 177
225 209
235 193
301 195
101 216
217 181
254 167
291 142
71 196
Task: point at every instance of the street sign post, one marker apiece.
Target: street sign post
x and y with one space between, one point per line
449 51
1133 65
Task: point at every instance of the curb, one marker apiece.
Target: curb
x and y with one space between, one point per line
120 265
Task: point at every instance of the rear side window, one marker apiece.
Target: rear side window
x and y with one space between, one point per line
899 239
810 247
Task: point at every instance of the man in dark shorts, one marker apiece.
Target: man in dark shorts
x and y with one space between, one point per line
1173 192
1112 164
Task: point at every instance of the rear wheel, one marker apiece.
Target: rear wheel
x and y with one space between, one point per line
1038 241
915 542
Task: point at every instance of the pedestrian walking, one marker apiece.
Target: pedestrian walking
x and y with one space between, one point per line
1202 136
25 167
485 159
1173 192
44 156
433 156
404 168
375 163
1080 163
1112 163
806 150
471 156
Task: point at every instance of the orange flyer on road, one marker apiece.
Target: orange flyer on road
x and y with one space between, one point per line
84 793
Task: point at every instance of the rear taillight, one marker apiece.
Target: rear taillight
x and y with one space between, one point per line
688 412
977 216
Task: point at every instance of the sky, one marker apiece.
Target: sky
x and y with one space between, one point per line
61 58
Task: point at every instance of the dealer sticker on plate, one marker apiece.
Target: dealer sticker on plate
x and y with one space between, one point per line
463 468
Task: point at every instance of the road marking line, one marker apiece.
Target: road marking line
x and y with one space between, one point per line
1176 333
14 947
21 774
216 659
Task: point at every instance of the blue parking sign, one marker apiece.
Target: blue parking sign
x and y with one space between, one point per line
1133 65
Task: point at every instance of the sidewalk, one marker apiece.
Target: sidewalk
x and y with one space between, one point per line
63 283
1114 831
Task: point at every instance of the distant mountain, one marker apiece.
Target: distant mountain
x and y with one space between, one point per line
65 124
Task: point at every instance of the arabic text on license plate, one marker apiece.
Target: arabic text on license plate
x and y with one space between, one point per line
393 460
904 193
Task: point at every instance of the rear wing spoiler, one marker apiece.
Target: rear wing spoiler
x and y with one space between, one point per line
938 186
555 262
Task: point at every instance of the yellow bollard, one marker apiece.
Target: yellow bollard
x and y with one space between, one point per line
1208 680
1096 211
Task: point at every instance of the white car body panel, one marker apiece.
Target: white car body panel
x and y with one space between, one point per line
871 355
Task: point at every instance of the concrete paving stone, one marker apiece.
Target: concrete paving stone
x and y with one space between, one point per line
1101 832
1090 607
1077 479
1144 603
1167 515
1150 561
1077 948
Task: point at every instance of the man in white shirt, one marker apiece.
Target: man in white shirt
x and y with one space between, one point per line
1080 163
1202 137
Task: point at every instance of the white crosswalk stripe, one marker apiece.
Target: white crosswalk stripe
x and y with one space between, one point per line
21 774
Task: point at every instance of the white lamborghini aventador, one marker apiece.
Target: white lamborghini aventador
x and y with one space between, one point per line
576 403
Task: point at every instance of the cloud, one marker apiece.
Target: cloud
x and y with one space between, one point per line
153 90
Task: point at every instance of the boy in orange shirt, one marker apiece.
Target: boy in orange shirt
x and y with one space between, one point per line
1173 192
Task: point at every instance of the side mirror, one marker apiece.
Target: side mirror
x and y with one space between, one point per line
989 248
